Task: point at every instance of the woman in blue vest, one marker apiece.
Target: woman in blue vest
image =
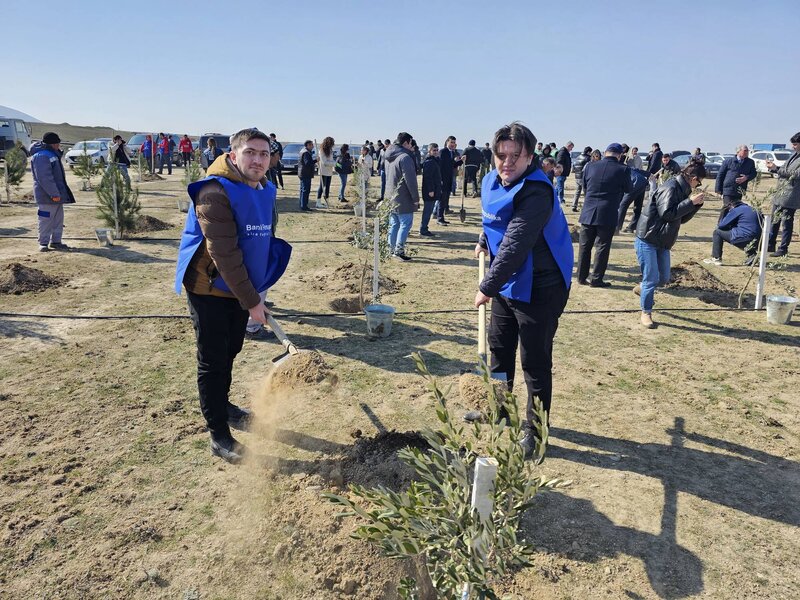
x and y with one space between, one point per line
527 238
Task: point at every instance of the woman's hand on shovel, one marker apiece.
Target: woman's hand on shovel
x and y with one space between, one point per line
481 298
259 313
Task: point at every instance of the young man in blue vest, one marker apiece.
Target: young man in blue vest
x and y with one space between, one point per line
227 257
526 235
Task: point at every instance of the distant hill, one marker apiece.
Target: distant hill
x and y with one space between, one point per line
5 111
71 134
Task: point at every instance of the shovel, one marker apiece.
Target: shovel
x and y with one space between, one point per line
497 378
462 214
289 347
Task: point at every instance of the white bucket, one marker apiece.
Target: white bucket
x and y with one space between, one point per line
183 206
105 236
780 309
358 209
379 319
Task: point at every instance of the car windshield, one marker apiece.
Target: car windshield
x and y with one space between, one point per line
89 146
292 148
714 159
782 156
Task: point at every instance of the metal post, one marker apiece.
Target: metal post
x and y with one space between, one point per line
363 206
482 502
376 246
762 260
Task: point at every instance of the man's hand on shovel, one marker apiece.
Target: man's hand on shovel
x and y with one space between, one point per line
481 298
259 313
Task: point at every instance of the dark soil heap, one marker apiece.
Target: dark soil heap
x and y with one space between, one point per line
374 461
145 223
351 305
17 279
692 277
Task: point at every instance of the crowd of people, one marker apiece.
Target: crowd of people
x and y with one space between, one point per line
229 254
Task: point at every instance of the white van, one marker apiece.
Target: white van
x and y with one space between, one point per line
11 131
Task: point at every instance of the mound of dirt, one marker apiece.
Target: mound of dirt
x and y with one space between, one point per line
693 277
349 304
575 233
347 227
473 391
374 461
151 177
347 278
145 223
17 279
304 368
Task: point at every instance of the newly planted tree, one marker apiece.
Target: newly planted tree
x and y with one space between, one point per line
14 169
434 517
118 205
86 168
193 172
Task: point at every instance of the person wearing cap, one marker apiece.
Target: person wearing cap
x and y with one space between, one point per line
50 190
604 183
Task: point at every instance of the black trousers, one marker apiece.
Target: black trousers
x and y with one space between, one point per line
324 186
471 176
589 234
219 325
533 325
444 202
719 236
637 200
277 176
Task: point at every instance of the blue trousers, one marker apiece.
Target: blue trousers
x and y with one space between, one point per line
427 212
560 187
305 190
655 266
399 227
343 178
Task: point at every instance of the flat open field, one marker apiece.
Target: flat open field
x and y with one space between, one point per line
682 443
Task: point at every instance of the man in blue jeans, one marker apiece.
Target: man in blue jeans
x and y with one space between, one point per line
305 171
563 158
401 182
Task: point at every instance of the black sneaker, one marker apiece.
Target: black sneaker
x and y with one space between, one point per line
239 418
58 246
443 222
228 449
426 234
599 284
778 253
401 256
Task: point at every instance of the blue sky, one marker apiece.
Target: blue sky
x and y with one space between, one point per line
686 74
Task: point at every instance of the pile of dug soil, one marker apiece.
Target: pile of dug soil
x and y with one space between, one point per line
374 461
305 368
692 277
349 304
473 392
145 223
347 278
151 177
17 279
347 227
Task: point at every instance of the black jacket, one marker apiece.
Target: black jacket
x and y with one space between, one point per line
671 167
431 179
654 162
487 155
580 162
662 217
447 164
533 206
731 169
604 183
564 159
472 156
305 166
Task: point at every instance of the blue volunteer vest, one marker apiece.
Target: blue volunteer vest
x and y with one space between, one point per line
497 204
265 257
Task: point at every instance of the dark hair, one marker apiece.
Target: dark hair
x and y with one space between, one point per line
796 138
587 150
549 160
272 135
656 144
471 143
307 142
697 150
547 150
327 145
387 141
240 138
433 146
540 144
694 169
450 138
666 155
344 148
402 138
596 153
117 137
515 132
211 142
625 148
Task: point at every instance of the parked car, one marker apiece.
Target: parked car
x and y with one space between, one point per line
96 150
291 155
13 131
676 153
711 164
777 156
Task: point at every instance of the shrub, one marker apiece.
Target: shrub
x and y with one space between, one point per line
118 205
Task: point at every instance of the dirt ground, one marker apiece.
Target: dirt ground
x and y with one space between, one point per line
682 442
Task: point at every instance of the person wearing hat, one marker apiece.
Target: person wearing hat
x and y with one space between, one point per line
50 191
604 183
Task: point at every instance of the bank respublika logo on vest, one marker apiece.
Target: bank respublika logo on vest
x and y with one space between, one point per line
260 230
490 216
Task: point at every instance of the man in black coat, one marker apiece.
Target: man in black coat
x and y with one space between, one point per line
733 176
577 169
431 187
605 182
448 163
472 162
654 166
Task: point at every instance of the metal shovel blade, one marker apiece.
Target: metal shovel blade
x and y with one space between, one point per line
462 215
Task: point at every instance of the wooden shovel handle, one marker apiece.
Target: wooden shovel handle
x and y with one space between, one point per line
281 335
481 308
